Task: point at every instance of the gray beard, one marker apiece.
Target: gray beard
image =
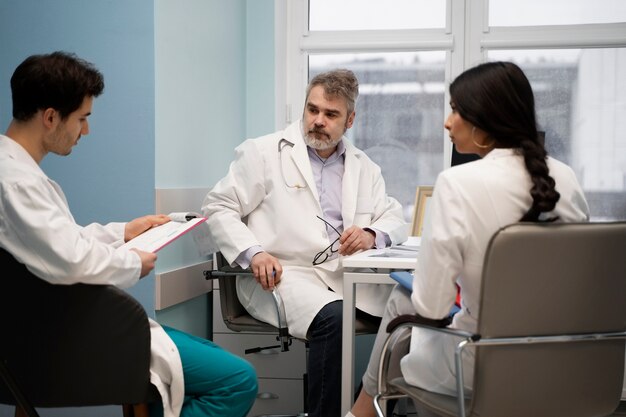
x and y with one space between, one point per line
320 144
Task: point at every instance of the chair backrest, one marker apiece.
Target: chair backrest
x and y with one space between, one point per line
552 279
72 345
235 316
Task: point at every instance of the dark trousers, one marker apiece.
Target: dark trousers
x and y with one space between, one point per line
324 367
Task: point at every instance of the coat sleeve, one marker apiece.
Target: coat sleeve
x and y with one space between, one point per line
388 216
233 198
440 258
53 247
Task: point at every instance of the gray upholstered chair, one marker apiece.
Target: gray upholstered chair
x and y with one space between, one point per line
551 331
71 345
237 319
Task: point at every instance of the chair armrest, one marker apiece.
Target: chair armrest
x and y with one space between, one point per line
416 319
222 268
397 343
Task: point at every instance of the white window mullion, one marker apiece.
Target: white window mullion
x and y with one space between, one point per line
455 63
562 36
295 76
477 26
377 41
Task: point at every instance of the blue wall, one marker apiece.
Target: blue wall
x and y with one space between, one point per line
260 71
200 89
213 58
110 174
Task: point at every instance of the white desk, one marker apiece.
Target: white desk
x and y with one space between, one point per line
362 268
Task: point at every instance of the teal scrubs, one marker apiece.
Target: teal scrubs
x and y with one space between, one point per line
217 382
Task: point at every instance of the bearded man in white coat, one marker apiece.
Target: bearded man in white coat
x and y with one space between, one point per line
294 202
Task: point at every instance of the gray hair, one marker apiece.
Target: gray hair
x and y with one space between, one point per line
337 83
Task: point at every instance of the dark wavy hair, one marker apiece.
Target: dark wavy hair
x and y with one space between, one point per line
497 98
58 80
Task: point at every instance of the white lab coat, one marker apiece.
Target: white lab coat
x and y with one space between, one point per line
38 229
470 203
275 193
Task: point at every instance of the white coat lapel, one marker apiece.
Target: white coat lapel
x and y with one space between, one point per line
350 186
300 157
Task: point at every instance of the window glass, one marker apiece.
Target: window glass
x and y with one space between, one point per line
580 105
399 115
555 12
376 14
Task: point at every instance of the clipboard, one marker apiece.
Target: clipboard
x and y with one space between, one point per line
155 239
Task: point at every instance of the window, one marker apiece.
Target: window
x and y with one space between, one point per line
399 114
579 100
573 52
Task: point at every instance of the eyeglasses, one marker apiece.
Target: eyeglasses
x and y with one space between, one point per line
323 256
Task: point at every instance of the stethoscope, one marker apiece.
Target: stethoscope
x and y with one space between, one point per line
281 145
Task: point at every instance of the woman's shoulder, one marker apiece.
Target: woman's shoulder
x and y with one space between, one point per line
464 171
564 176
554 163
496 170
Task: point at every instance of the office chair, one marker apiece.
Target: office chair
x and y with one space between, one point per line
71 345
551 331
235 316
237 319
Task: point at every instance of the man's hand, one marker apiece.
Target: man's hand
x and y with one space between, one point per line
267 270
148 260
354 239
139 225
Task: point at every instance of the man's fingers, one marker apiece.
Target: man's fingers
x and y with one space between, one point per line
265 276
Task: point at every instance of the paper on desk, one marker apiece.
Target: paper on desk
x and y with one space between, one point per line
395 252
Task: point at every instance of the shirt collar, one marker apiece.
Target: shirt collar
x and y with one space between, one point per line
16 151
501 152
339 152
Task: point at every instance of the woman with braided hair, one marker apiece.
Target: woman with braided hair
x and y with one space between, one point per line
493 116
498 103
